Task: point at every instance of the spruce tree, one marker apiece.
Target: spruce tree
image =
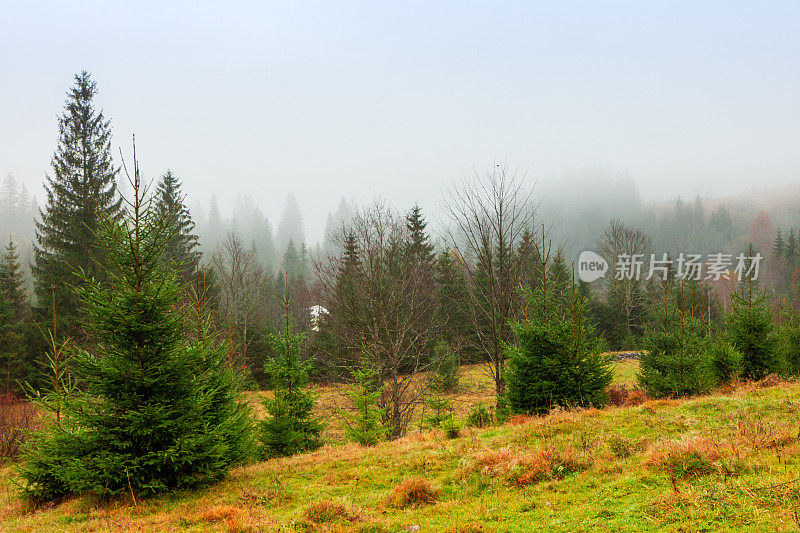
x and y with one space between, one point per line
291 426
750 328
778 247
557 358
171 205
451 312
14 319
364 424
160 410
80 193
419 245
674 362
790 252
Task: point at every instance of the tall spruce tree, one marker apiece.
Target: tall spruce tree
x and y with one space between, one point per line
14 320
160 410
80 192
171 204
419 242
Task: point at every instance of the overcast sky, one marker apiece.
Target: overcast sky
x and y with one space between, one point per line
332 99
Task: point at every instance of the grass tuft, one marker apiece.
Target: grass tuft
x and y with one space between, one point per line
413 491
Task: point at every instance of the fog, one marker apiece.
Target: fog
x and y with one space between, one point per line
362 100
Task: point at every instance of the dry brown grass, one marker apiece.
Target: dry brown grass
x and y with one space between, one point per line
522 467
413 491
687 456
330 511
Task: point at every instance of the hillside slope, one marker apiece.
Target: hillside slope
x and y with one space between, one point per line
726 461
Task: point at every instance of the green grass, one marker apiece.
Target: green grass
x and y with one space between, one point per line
721 462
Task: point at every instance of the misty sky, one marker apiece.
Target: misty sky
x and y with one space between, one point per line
332 99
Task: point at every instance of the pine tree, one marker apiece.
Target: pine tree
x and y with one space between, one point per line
160 411
11 282
778 247
290 226
364 424
181 250
674 363
14 318
451 312
292 263
291 426
81 192
790 252
419 245
750 328
556 360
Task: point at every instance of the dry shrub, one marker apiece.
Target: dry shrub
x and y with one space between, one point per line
759 433
620 446
525 468
617 395
17 418
517 420
636 397
772 380
622 396
327 511
413 491
688 457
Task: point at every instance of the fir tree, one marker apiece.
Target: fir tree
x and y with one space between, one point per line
778 247
291 426
14 316
419 245
11 282
181 250
556 360
81 192
444 377
750 328
160 411
292 263
790 252
674 362
364 424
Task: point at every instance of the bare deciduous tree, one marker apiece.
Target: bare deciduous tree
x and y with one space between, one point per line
241 280
385 310
489 212
629 293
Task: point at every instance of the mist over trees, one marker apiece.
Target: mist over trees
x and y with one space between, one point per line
383 291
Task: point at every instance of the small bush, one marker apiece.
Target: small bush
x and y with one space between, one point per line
440 411
620 447
413 491
617 394
452 429
480 417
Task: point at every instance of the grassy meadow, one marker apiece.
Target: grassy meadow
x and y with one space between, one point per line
728 461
